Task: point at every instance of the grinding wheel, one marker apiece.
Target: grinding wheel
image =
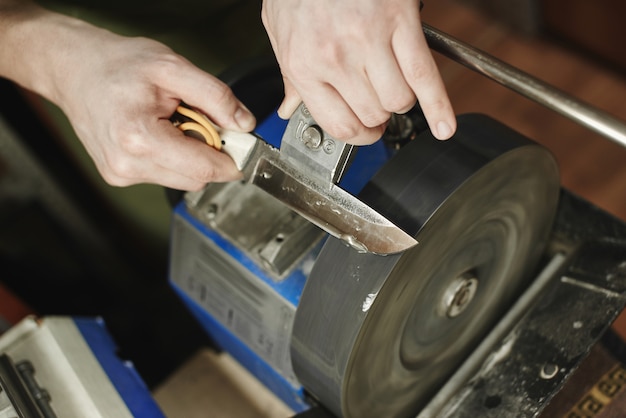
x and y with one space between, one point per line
376 336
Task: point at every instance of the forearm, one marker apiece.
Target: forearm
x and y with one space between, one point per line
39 48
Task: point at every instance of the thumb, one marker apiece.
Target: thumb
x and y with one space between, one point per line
291 101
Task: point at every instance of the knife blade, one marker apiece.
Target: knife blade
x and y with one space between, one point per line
331 208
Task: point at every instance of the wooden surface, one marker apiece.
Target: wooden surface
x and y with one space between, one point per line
214 385
591 166
597 26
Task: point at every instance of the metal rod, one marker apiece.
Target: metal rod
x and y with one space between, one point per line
549 96
497 335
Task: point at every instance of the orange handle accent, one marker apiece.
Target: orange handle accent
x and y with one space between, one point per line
201 125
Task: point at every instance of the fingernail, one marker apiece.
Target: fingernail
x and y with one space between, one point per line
282 111
288 106
244 119
443 130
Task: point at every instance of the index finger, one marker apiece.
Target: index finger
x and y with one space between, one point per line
209 94
421 73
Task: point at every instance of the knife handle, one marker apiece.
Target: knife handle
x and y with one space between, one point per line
237 145
196 125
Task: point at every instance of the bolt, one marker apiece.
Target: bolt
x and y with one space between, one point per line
548 371
399 128
211 211
329 146
312 136
459 295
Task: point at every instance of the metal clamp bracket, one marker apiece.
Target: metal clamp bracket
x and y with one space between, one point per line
318 155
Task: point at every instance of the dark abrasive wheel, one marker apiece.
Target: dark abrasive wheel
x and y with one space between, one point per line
376 336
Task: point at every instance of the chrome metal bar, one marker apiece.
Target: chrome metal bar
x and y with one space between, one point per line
532 88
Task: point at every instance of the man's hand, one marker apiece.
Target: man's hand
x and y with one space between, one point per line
120 107
119 94
354 62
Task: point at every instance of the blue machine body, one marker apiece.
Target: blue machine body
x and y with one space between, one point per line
122 374
367 161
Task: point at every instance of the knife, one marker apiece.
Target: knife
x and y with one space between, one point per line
321 202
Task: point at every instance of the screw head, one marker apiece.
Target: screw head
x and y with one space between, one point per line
211 211
329 146
459 295
548 371
312 136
